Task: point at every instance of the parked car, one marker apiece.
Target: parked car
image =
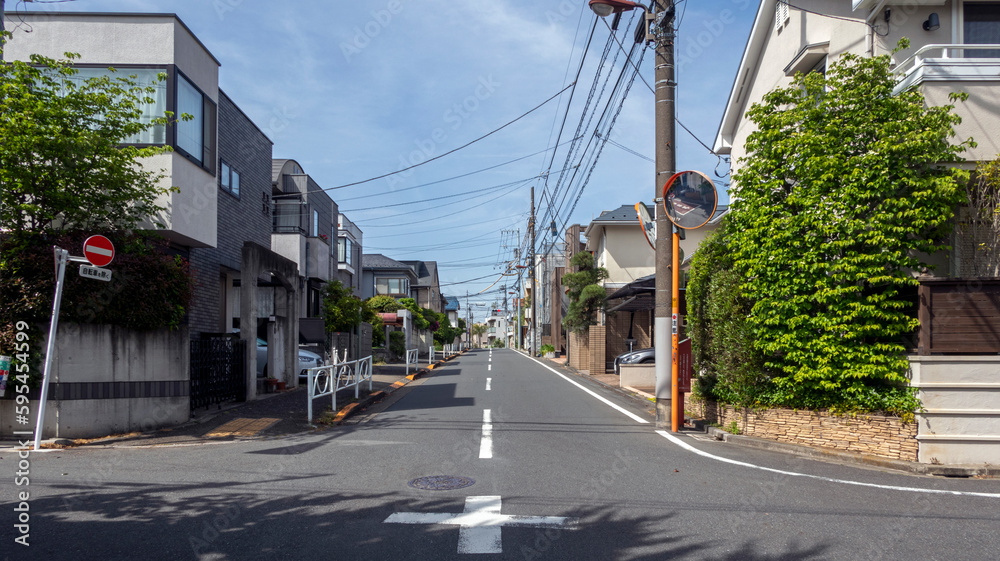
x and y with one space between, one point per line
307 359
635 357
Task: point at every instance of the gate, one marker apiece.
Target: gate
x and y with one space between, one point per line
218 371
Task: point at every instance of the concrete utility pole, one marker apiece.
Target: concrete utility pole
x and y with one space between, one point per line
531 275
666 165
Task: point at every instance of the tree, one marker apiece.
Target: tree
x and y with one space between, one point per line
586 296
382 303
419 321
844 186
478 330
66 161
342 310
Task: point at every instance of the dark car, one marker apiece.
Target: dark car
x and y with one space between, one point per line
635 357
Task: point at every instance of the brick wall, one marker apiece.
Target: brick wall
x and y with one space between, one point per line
579 350
874 435
598 354
240 219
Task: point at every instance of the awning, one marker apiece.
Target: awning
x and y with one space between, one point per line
643 285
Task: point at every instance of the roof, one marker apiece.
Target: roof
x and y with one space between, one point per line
379 261
451 303
277 165
624 213
426 272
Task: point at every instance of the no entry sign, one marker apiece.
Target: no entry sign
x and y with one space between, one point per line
98 250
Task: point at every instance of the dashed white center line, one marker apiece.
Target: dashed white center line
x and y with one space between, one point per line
489 367
486 447
488 380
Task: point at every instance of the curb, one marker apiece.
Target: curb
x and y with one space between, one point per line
954 470
850 457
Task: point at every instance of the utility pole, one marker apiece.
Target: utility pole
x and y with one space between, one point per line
666 165
531 275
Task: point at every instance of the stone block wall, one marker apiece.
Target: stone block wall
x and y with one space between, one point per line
873 435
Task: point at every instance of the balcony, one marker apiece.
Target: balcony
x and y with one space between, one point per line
938 70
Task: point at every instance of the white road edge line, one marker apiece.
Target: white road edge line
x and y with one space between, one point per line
486 446
488 381
690 448
620 409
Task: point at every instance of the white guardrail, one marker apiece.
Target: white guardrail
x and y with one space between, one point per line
329 379
411 358
446 351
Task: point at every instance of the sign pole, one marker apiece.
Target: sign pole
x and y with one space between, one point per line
677 406
61 257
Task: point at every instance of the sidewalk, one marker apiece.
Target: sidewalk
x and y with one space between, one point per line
270 415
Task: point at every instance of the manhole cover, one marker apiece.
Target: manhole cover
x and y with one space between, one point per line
441 482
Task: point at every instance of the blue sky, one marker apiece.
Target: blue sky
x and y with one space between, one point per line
354 90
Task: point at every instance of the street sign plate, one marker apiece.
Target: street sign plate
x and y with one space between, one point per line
98 250
95 273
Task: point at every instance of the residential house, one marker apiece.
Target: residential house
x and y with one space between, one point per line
451 309
618 244
382 275
496 329
218 215
954 47
304 231
427 290
349 251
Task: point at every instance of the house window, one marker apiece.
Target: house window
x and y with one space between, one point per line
315 224
143 77
392 287
345 250
195 136
981 27
229 179
781 15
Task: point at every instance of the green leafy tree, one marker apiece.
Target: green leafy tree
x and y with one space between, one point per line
842 190
980 228
586 295
342 310
383 304
419 321
730 368
66 164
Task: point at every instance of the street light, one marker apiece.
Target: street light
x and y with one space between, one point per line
666 165
605 8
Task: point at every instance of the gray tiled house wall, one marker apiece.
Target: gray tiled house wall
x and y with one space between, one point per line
247 218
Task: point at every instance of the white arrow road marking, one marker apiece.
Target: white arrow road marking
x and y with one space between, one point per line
690 448
480 523
486 446
488 380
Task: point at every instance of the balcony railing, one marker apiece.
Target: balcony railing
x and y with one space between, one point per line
951 62
290 216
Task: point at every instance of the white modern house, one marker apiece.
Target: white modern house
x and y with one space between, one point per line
954 47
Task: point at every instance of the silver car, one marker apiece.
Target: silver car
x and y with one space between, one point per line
307 359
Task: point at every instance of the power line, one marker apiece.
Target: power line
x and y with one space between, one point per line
466 145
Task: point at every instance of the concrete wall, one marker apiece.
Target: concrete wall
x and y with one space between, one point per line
639 376
107 380
961 398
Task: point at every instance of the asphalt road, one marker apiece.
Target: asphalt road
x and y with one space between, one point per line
553 472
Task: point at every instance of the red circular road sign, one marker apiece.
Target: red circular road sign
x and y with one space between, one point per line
98 250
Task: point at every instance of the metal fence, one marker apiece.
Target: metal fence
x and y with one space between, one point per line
329 379
411 358
218 371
